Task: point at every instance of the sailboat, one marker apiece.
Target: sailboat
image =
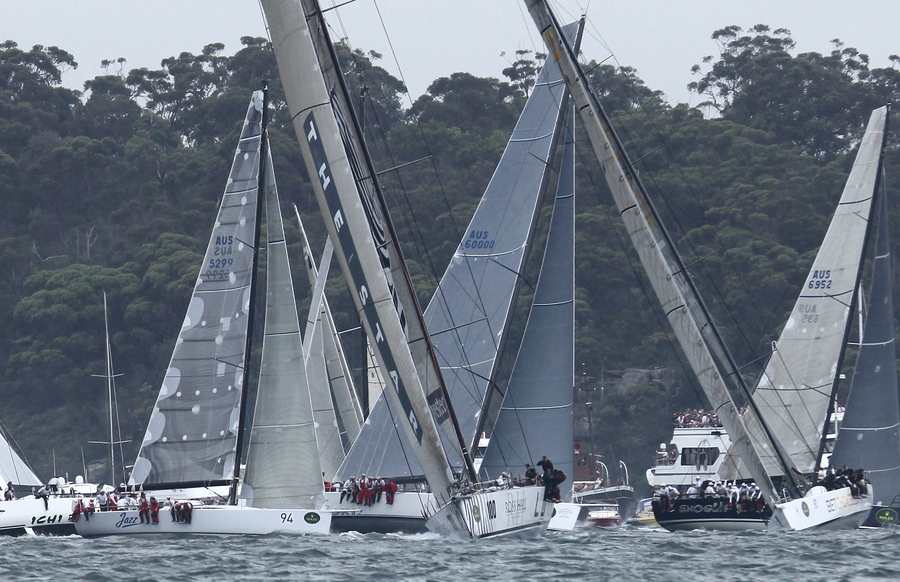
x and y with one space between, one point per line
800 378
795 507
537 413
194 437
358 224
470 313
869 431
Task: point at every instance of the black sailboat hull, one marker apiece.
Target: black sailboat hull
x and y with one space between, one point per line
383 524
710 513
882 516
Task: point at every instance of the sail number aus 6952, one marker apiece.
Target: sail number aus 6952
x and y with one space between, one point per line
821 279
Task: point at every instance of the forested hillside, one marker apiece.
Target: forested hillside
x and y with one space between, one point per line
115 189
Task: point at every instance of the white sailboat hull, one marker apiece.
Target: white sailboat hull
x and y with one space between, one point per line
214 519
521 511
836 509
28 516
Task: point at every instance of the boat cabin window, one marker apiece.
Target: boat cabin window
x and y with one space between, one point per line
699 455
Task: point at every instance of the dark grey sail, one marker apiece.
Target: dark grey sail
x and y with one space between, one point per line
536 417
869 435
193 429
469 312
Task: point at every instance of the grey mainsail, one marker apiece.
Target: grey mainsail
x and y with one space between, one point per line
869 435
316 99
193 430
469 313
536 417
283 468
690 320
794 391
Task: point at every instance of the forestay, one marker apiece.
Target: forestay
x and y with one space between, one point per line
468 315
794 391
537 414
193 429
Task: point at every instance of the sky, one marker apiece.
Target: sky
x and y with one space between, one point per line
434 38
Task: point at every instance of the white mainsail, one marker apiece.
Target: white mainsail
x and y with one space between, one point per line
13 469
331 448
327 153
794 391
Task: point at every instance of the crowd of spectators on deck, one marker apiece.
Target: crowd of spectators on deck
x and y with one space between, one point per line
740 497
699 418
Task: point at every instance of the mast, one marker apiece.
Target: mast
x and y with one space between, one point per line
260 195
343 194
684 308
109 376
429 373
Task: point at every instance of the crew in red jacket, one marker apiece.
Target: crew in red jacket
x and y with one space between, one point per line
144 513
154 510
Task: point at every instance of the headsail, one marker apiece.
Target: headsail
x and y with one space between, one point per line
537 414
13 469
283 468
331 448
794 392
869 435
469 313
193 430
346 402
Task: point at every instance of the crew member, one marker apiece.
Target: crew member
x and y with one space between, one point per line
44 493
530 474
145 509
